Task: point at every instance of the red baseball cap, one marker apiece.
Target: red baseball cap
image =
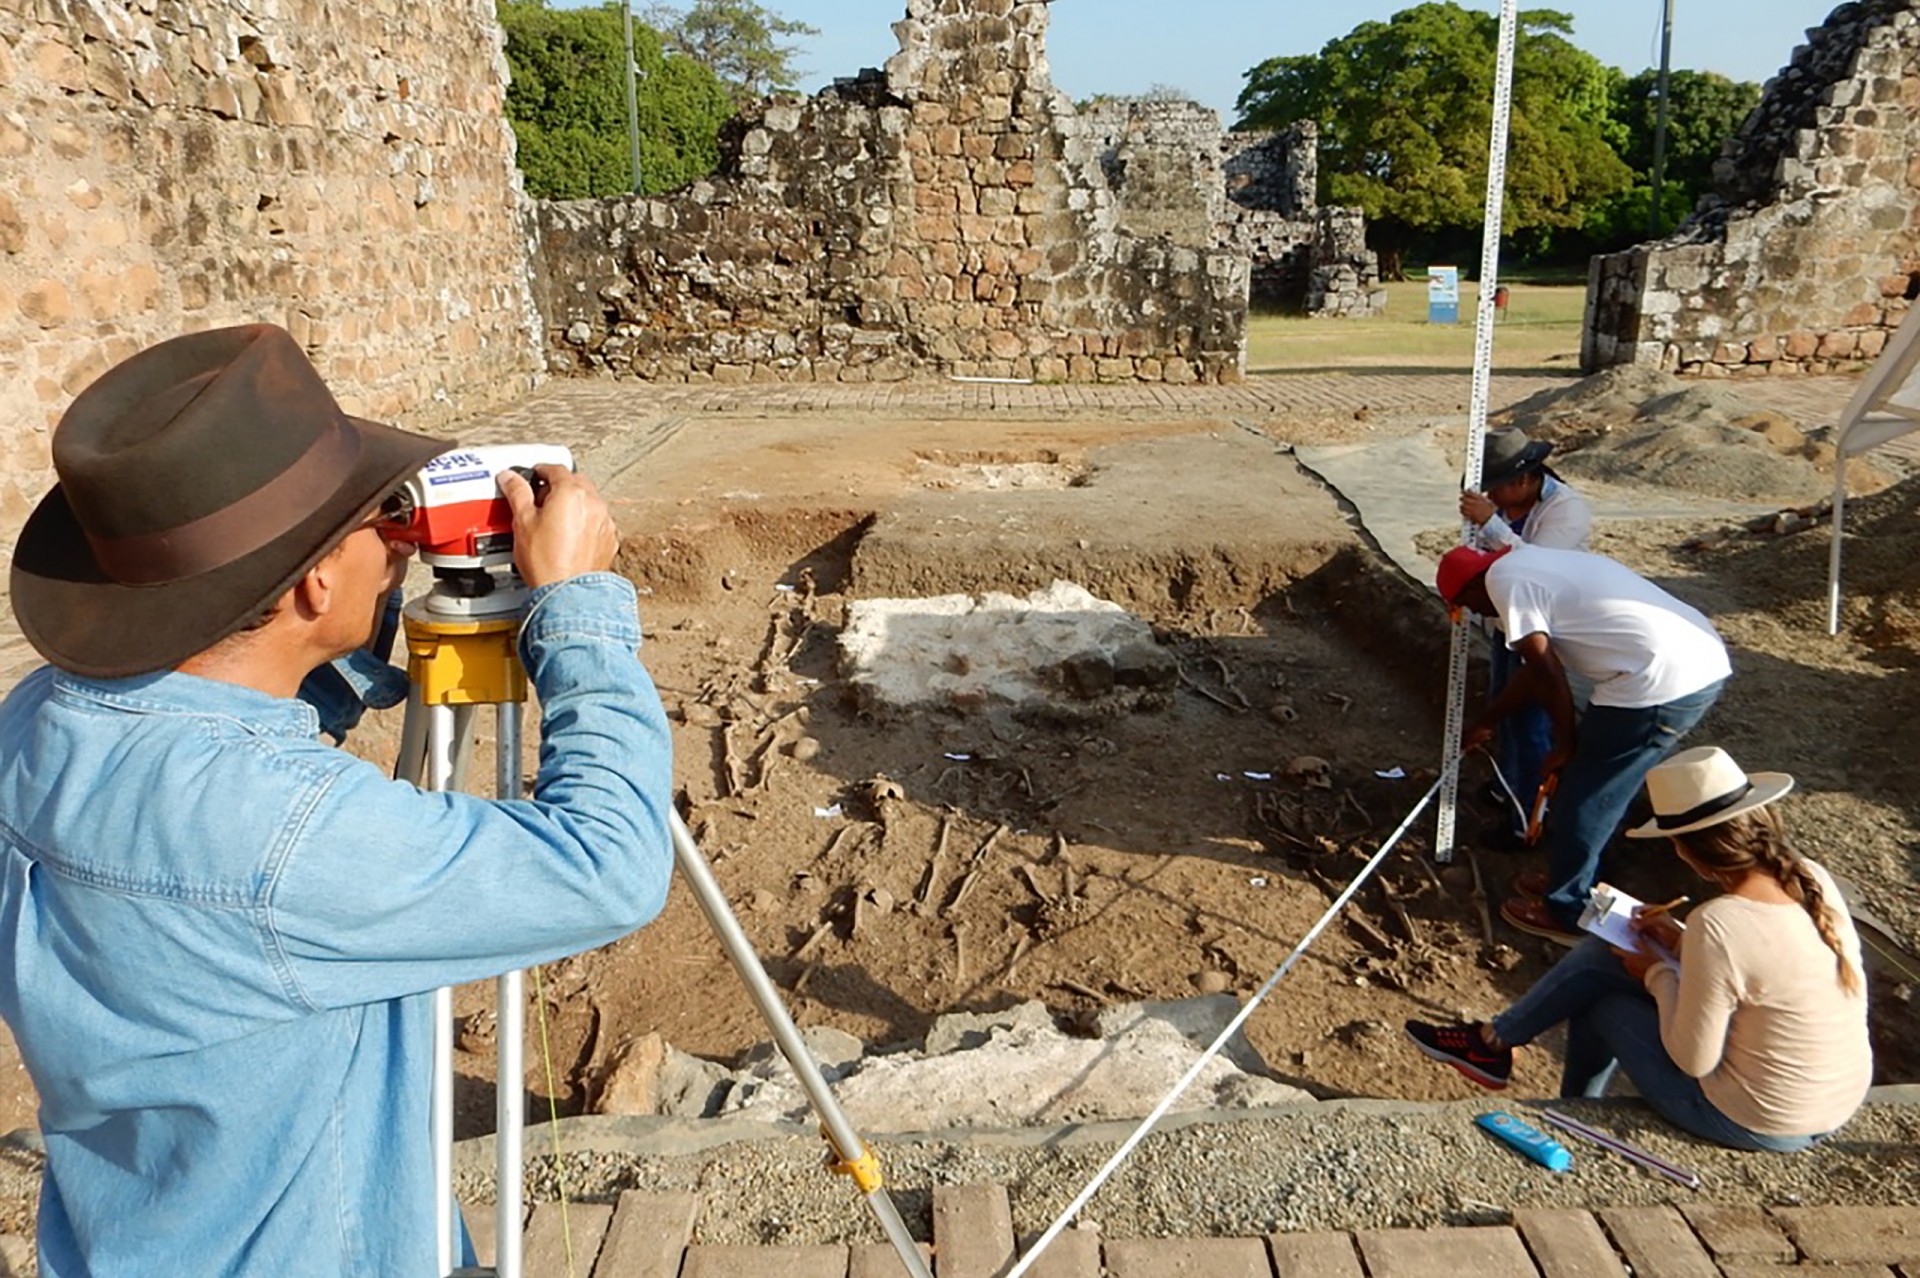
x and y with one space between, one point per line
1462 566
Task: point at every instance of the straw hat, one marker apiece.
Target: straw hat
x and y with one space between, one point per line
1701 787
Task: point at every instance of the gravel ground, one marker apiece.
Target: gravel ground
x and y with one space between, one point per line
1338 1165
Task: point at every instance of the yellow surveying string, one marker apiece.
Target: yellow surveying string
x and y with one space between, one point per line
553 1117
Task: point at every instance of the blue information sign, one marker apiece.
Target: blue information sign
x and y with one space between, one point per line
1443 295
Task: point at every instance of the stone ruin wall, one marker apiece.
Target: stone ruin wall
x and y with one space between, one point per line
1812 255
340 168
949 215
1174 173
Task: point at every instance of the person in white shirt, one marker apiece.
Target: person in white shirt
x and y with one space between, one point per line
1523 502
1748 1026
1656 664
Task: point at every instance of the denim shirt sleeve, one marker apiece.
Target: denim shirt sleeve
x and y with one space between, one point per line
382 889
345 689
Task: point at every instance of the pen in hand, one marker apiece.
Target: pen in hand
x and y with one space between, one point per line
1648 911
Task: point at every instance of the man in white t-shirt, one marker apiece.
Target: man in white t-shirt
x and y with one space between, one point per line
1656 665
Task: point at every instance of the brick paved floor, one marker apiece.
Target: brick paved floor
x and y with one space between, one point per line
649 1236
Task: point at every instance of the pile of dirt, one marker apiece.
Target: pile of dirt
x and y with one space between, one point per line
1880 572
1640 426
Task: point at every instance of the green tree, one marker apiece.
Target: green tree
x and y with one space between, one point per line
743 43
568 105
1405 107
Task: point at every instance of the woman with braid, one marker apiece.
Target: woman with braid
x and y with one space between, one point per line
1753 1034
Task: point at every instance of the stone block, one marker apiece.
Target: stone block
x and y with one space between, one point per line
1314 1255
1837 345
1074 1253
1842 1235
1186 1258
1658 1243
1568 1244
736 1261
551 1238
1737 1233
874 1260
972 1230
1485 1252
1800 344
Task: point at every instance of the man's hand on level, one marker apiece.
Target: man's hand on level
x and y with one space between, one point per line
567 533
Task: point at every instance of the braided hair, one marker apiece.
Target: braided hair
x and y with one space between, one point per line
1756 840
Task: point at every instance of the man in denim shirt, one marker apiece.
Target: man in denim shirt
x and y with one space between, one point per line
218 934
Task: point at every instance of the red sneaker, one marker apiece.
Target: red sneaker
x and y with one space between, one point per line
1462 1047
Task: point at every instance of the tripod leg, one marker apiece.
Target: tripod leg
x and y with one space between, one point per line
854 1155
439 758
410 762
510 1036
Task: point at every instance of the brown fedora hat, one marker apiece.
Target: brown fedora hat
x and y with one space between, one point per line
197 481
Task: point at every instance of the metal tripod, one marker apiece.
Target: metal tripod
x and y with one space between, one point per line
455 665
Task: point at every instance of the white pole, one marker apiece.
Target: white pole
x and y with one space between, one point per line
509 1097
1443 839
1839 532
440 761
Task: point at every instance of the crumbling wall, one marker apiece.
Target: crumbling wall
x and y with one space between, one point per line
342 169
1812 253
950 215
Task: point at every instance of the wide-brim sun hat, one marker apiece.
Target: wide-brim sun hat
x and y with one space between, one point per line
198 481
1510 454
1703 786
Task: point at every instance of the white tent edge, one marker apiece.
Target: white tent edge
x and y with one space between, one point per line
1870 419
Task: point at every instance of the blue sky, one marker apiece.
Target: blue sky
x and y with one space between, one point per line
1204 47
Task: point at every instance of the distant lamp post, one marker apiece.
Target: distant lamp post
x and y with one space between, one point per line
633 95
1660 119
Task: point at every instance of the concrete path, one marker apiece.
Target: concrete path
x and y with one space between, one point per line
649 1235
1404 485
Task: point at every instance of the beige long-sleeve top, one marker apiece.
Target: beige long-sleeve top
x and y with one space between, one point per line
1756 1012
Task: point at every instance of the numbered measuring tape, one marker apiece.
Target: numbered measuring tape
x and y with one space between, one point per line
1443 838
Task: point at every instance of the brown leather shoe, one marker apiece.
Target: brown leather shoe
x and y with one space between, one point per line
1533 885
1534 918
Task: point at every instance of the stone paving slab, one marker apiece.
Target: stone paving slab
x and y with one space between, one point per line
1483 1251
972 1231
1568 1244
564 1239
1739 1233
1842 1235
1657 1243
1188 1258
735 1261
1321 1254
875 1260
647 1235
1075 1253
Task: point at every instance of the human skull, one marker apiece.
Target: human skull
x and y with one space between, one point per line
882 788
1312 771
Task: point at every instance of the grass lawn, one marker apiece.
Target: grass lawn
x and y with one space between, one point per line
1541 332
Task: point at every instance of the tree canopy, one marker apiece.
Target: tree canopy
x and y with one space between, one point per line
1404 109
568 105
743 43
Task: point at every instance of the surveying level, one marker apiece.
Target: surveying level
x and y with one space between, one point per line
462 653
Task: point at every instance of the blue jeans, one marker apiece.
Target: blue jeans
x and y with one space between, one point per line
1526 735
1611 757
1613 1023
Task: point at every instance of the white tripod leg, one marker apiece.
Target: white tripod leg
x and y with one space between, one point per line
510 1037
442 736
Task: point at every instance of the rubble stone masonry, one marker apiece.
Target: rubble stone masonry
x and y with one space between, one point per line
1812 254
948 216
341 167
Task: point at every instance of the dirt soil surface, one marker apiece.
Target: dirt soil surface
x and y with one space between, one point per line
892 865
1061 853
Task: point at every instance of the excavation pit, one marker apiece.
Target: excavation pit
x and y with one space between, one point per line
899 859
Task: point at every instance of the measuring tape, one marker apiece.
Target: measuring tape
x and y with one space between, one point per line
1443 838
